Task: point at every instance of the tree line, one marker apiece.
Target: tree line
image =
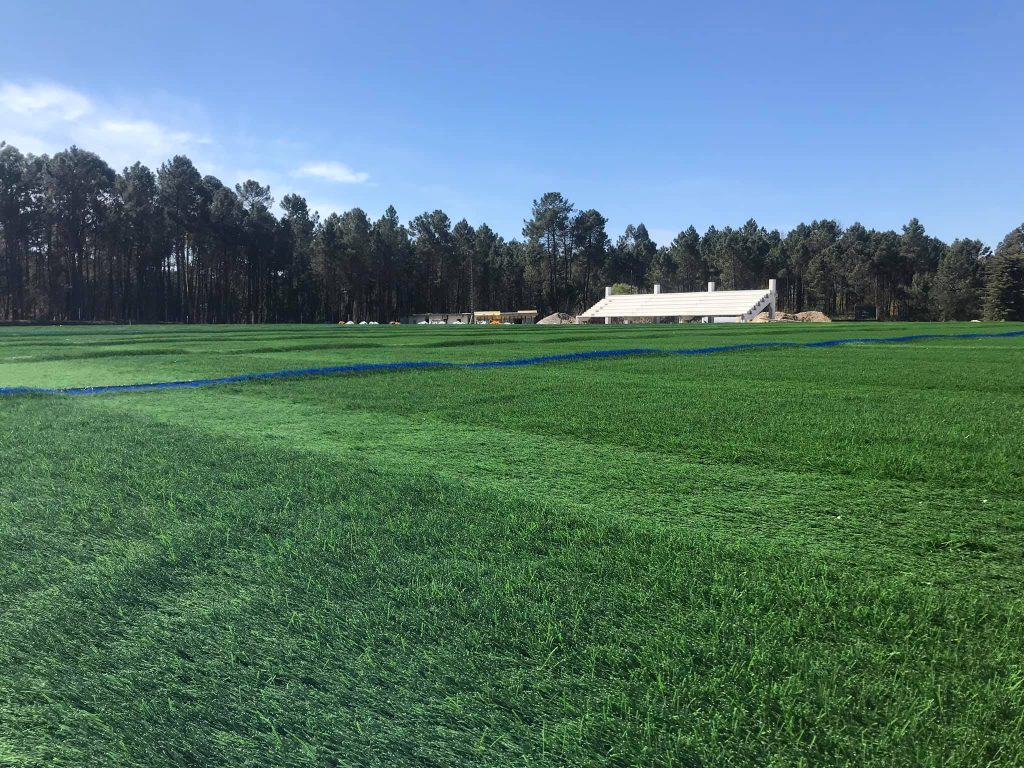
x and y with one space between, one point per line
81 242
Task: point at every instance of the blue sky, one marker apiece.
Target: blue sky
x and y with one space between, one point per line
667 113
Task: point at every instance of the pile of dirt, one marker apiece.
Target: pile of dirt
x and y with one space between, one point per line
780 317
799 317
557 318
813 317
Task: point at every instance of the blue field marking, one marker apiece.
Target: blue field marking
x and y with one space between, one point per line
514 363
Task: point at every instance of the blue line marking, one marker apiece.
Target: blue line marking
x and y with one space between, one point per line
564 357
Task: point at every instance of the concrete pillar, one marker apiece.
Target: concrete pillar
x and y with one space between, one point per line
711 286
774 298
657 289
771 285
607 291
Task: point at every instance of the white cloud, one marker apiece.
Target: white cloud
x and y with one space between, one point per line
338 172
122 142
44 117
44 100
26 143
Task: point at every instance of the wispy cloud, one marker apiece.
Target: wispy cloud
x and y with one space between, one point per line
44 101
138 139
45 117
337 172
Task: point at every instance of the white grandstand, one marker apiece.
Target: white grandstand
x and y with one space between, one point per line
708 306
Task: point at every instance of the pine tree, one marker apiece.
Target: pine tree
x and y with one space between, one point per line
956 292
1004 297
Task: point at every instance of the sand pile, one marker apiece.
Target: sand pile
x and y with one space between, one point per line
780 317
813 317
799 317
557 318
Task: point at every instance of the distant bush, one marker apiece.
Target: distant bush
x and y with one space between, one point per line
624 289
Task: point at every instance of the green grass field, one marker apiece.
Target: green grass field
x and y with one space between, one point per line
785 557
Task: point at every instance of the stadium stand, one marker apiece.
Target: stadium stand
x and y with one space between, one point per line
709 306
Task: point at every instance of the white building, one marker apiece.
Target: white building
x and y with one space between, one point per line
709 306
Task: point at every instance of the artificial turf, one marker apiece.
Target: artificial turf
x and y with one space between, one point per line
772 557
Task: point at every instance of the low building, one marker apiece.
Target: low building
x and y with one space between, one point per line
439 318
519 316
